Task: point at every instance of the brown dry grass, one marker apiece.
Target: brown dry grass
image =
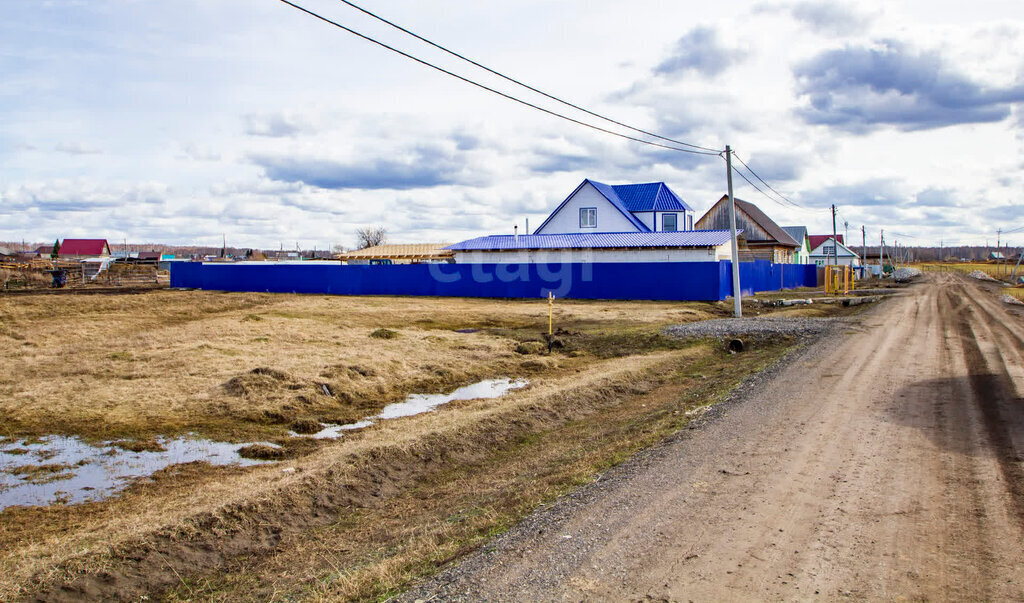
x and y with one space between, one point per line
999 271
246 365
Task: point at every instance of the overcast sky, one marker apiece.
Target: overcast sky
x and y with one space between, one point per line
177 122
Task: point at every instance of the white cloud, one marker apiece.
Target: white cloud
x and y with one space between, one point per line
272 127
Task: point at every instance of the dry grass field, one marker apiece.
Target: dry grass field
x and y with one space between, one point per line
999 271
353 518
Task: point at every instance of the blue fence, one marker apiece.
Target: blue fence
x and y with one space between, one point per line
693 281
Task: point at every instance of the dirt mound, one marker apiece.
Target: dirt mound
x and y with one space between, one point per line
261 451
306 426
260 379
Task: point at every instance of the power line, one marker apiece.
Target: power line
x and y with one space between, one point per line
740 174
784 197
489 89
519 83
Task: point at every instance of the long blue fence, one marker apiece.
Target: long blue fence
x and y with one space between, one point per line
692 281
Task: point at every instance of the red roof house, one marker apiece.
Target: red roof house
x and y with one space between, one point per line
817 240
84 248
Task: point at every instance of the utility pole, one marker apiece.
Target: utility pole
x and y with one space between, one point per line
737 306
999 232
846 232
863 249
881 252
835 241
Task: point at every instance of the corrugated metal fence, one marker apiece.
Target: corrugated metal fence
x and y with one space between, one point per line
693 281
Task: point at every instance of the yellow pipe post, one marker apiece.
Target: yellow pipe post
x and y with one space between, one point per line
551 305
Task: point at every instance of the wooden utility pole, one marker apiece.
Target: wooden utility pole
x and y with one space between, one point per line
835 241
737 306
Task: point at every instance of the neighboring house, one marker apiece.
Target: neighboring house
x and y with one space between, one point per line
799 234
824 247
84 248
595 207
6 253
43 251
766 240
997 255
684 246
413 253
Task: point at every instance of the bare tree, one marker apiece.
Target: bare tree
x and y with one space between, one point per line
371 236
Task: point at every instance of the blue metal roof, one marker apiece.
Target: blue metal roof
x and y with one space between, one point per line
596 240
653 196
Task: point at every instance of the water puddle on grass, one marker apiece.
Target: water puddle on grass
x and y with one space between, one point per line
420 403
60 469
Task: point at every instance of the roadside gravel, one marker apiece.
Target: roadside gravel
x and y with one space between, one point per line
728 327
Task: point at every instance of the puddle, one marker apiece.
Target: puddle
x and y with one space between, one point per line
60 469
420 403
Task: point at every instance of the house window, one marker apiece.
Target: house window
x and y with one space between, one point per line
828 249
689 222
588 217
668 222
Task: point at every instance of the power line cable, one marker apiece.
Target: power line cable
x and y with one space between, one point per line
489 89
784 197
741 175
520 83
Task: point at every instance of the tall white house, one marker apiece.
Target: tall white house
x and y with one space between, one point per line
598 207
604 223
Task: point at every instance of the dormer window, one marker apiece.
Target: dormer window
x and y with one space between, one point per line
669 223
588 217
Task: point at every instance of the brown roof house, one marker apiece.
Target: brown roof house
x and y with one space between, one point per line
765 240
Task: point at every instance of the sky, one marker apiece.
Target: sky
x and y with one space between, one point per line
184 122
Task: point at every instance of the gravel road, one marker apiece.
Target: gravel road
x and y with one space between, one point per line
884 462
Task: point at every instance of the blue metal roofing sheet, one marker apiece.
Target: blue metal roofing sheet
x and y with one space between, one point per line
596 240
652 196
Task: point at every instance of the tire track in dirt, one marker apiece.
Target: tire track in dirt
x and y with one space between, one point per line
995 394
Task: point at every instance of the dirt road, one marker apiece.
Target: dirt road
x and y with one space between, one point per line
886 463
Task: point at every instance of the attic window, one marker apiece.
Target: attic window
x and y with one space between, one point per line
828 249
588 217
669 223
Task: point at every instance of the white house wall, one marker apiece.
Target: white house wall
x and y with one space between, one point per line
567 219
647 217
555 256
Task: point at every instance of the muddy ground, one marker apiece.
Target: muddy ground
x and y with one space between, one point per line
887 463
